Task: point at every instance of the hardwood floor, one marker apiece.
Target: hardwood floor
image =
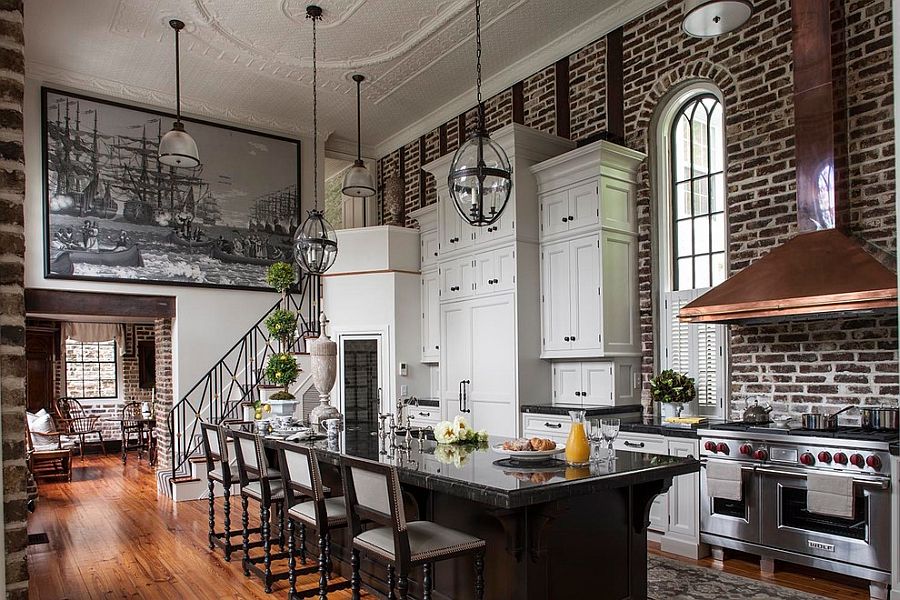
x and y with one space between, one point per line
110 536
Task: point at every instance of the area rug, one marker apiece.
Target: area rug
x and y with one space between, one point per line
673 580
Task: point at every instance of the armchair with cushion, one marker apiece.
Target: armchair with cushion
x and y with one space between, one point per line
74 421
46 453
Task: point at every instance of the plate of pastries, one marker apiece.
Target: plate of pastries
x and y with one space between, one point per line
535 448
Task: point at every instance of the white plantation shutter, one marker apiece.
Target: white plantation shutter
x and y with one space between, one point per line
695 349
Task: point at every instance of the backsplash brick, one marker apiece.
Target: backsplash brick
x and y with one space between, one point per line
803 366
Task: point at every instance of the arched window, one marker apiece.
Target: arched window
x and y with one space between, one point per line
692 236
698 193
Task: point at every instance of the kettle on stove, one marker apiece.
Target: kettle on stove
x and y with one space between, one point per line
756 413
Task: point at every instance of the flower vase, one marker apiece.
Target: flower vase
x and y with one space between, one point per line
323 353
671 409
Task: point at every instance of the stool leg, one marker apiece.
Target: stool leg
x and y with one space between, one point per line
303 543
227 523
328 566
403 587
212 512
390 583
292 562
479 576
323 566
102 443
354 574
279 515
426 581
245 540
267 544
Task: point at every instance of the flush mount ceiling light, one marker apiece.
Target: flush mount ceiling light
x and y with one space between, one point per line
177 148
315 243
480 178
358 180
709 18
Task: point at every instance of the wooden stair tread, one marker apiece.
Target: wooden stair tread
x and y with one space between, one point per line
184 479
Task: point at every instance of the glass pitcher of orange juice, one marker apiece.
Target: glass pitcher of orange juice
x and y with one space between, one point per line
578 449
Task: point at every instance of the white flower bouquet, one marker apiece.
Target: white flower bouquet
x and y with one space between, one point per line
458 431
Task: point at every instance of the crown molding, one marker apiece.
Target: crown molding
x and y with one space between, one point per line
347 147
117 90
589 31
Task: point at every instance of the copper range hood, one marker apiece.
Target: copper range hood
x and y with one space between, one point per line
822 271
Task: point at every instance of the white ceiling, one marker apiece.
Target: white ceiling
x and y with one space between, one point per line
249 61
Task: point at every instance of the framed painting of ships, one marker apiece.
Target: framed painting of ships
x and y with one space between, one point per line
114 213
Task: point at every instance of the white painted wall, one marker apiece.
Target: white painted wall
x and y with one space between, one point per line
208 321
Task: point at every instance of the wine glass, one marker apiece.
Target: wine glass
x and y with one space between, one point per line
592 429
609 431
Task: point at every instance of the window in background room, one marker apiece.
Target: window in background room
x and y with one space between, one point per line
693 234
91 369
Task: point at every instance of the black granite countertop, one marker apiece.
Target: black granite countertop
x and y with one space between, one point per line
591 411
654 425
472 473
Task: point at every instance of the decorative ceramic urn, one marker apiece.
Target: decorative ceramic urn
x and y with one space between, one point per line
323 353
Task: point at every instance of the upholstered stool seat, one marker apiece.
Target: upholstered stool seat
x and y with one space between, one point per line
427 542
255 491
334 507
218 470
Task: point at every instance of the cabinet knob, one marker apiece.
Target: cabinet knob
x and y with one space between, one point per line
571 218
577 393
435 253
565 219
437 347
572 338
566 339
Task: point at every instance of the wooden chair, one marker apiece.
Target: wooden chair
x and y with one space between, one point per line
372 492
307 505
57 457
218 468
74 421
134 435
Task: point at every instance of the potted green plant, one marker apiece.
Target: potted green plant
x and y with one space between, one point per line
672 390
282 326
282 370
281 276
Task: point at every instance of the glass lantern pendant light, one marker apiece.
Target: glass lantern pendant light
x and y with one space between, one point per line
358 181
177 148
315 243
480 178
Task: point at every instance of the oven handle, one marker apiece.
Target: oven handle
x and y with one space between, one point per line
882 484
750 468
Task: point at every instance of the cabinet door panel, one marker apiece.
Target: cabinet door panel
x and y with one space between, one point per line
455 352
492 393
567 381
429 247
684 494
555 212
584 263
431 317
620 288
584 206
504 269
457 279
485 271
555 293
597 384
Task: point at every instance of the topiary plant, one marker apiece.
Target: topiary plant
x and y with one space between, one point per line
281 276
282 325
282 395
672 386
282 369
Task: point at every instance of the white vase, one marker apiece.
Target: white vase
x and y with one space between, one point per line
670 409
323 353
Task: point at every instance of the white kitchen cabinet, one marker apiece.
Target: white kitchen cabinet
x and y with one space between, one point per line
457 278
429 247
454 233
584 296
495 271
431 327
570 210
585 383
478 362
555 427
567 383
675 515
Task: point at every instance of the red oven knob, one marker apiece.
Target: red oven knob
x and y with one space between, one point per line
874 462
824 457
722 447
807 459
746 449
840 458
760 455
710 446
857 460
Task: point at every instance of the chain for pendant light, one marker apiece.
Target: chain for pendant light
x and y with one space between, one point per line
478 64
315 16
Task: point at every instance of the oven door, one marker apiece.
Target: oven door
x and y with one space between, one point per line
864 540
728 518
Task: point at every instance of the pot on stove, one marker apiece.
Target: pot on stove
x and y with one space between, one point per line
756 413
880 418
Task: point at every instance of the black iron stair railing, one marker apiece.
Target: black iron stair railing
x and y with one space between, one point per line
235 379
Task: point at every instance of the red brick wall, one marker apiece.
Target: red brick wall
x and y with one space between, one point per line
836 361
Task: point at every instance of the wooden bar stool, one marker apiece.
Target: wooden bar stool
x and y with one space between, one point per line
263 485
218 468
372 492
306 504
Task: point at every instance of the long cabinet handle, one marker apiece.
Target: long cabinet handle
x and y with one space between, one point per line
553 425
634 445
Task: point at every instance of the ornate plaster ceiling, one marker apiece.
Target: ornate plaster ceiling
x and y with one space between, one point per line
249 61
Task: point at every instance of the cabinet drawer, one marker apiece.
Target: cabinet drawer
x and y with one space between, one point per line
555 427
641 442
424 416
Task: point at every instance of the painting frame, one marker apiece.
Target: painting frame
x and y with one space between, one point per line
47 91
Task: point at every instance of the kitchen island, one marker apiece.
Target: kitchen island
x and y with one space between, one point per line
553 533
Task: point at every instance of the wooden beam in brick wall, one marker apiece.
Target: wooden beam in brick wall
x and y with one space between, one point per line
615 85
563 125
98 304
518 103
442 139
461 129
421 171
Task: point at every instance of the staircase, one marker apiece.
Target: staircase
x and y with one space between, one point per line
237 378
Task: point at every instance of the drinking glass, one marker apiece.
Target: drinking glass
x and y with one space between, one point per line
609 431
592 428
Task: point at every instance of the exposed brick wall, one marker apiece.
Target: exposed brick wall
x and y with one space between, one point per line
856 358
411 166
12 297
131 388
164 392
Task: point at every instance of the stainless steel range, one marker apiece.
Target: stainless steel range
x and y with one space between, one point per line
772 519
